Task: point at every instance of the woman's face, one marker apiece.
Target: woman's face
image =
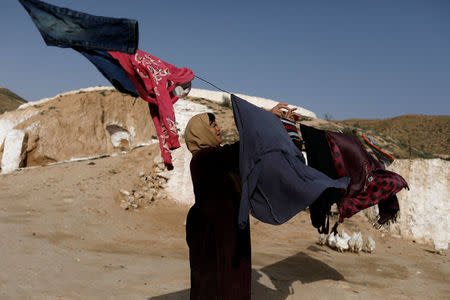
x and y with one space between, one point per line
216 130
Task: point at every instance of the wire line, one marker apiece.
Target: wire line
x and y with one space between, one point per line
211 84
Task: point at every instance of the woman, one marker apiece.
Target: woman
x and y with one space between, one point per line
219 252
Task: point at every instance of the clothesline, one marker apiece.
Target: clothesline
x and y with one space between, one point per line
211 84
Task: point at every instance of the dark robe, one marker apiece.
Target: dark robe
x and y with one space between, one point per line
219 251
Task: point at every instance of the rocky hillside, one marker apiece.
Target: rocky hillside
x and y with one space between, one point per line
9 100
408 136
74 125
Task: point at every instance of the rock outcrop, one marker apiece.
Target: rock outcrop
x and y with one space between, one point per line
78 124
14 151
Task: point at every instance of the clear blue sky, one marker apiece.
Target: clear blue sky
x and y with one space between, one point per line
351 59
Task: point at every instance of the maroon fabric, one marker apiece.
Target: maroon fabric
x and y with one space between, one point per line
338 161
357 162
219 252
370 182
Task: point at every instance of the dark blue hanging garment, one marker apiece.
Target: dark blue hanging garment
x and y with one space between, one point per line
92 36
68 28
276 183
111 69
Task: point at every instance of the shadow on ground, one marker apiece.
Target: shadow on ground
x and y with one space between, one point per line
299 267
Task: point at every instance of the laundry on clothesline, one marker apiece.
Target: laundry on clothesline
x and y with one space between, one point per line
155 81
382 156
67 28
340 155
276 183
291 129
110 44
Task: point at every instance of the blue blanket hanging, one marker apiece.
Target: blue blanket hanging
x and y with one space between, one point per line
276 183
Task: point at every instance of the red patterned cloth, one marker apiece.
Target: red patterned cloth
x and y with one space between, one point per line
154 81
370 182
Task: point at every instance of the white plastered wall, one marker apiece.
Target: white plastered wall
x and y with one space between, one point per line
425 208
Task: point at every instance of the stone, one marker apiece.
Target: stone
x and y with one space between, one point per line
124 192
164 178
14 152
125 205
158 160
161 167
139 195
161 195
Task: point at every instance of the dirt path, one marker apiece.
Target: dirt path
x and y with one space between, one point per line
64 236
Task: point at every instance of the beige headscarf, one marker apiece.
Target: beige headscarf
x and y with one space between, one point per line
198 135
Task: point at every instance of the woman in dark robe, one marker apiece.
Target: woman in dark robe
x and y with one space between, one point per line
219 252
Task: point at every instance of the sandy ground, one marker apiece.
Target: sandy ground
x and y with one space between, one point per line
64 236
